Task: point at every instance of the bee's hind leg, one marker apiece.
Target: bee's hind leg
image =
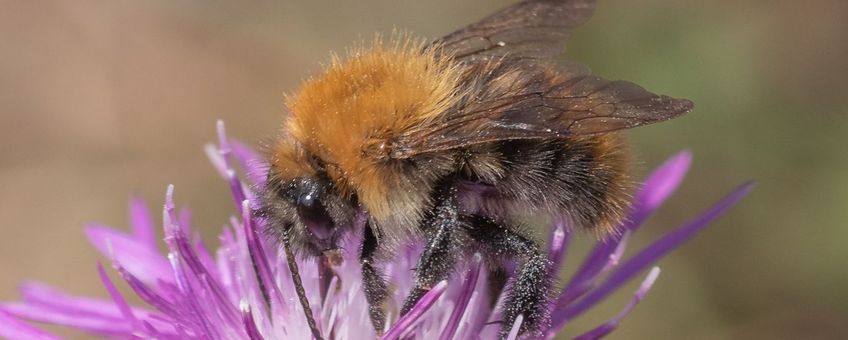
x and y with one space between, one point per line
528 294
444 245
376 288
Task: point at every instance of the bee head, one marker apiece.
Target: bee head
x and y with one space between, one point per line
307 211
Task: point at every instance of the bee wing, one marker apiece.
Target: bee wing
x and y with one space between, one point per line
583 104
527 30
535 107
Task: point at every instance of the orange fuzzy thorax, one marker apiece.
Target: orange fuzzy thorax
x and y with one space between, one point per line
361 103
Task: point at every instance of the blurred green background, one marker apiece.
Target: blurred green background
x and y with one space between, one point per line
99 100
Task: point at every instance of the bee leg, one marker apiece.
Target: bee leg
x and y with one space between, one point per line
376 289
528 294
443 247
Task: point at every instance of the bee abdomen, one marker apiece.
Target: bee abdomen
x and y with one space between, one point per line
583 178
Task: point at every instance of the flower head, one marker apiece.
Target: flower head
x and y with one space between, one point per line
243 289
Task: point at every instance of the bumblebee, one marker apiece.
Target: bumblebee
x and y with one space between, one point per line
456 142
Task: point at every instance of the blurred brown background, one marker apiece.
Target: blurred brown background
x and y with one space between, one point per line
99 100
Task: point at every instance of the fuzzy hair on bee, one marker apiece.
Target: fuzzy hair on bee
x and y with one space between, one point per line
457 142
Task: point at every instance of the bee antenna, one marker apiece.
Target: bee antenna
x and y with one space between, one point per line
298 287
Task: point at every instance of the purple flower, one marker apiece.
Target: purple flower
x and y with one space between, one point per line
243 289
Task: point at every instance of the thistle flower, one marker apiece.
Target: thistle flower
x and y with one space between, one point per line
243 289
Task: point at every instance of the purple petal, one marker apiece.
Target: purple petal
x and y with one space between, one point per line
658 186
616 255
474 323
143 261
606 328
184 220
46 314
516 326
461 302
141 223
270 290
560 237
146 294
662 182
404 324
41 295
191 298
12 328
236 188
249 323
648 256
119 300
254 166
214 156
179 245
205 258
223 141
42 301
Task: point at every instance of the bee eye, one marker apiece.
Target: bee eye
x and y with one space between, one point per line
306 196
307 200
315 217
